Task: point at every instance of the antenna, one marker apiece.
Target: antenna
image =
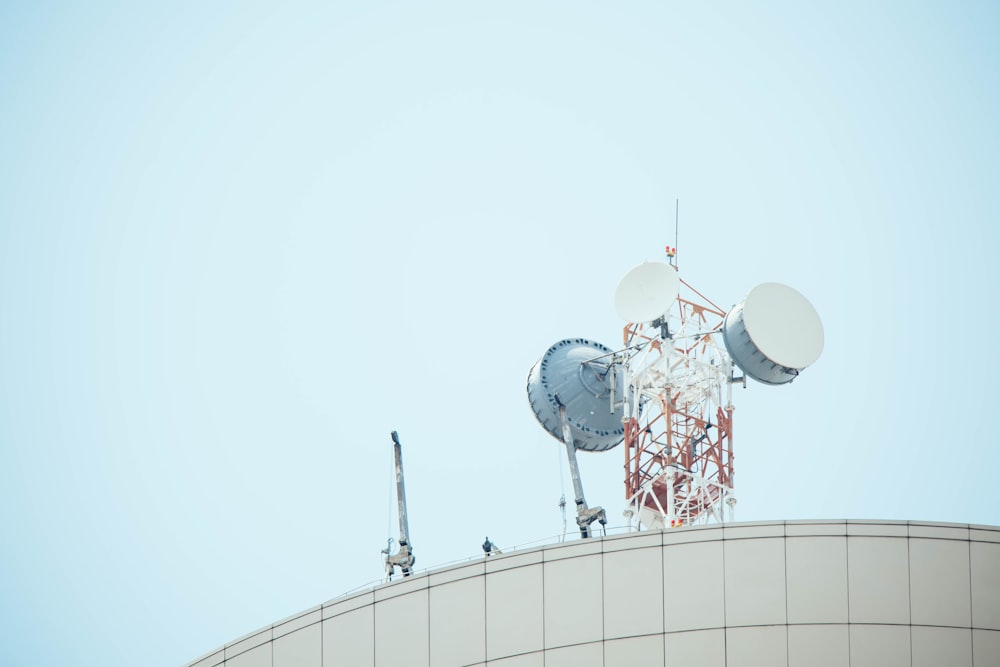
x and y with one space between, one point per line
647 292
403 559
773 334
572 391
577 374
677 224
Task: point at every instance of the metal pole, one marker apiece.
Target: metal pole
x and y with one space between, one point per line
404 528
584 515
574 468
677 222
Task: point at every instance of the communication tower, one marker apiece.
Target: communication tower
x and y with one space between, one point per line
680 359
668 393
678 414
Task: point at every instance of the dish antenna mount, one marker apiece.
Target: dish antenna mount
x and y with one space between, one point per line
575 392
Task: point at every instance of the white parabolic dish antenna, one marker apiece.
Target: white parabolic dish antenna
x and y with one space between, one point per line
647 292
773 334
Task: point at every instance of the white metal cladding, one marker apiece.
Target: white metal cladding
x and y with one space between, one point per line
811 593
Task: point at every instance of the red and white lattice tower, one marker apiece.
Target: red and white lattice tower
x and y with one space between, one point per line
678 415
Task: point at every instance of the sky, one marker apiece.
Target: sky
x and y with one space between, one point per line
241 242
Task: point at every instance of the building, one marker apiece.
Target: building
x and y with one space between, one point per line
795 593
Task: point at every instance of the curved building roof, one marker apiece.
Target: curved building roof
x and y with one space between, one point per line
795 593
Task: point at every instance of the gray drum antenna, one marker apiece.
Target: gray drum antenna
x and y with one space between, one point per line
403 559
575 392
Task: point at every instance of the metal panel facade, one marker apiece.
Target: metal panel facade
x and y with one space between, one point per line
798 594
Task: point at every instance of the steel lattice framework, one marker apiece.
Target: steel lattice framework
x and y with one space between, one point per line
679 416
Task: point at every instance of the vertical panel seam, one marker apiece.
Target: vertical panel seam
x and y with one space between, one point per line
972 621
725 605
909 591
428 589
663 599
604 631
544 647
784 540
486 619
847 582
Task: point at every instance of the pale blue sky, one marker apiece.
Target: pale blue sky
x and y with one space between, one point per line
241 242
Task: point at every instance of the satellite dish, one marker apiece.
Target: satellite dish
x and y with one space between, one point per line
647 292
773 334
577 373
